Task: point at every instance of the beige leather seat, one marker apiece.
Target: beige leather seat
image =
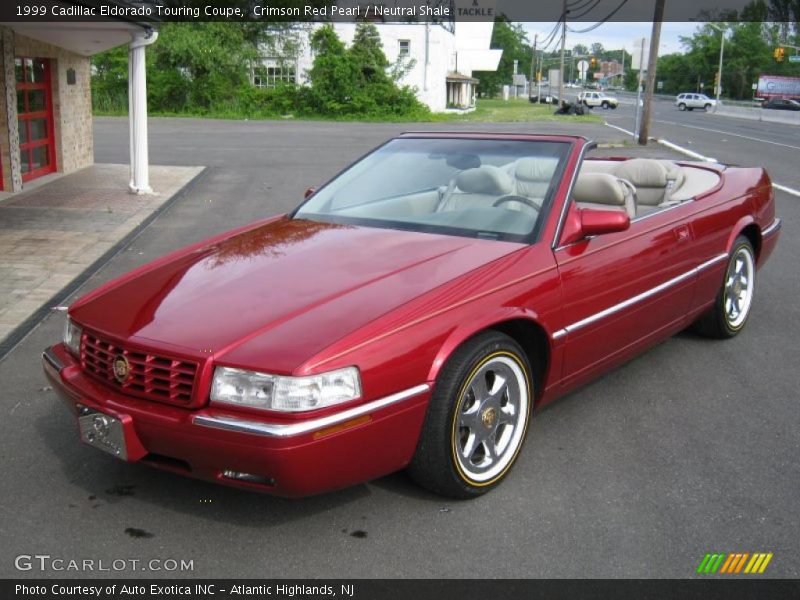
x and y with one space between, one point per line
532 177
603 191
477 188
654 180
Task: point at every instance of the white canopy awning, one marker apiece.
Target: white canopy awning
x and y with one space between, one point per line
85 39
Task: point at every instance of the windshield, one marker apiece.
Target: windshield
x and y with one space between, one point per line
497 189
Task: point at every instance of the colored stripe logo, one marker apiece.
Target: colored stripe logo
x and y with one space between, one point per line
734 563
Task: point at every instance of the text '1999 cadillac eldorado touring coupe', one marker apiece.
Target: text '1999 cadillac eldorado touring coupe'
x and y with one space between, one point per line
411 313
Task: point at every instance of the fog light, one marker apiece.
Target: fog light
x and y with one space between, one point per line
248 477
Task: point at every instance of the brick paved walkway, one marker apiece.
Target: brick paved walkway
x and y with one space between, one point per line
51 234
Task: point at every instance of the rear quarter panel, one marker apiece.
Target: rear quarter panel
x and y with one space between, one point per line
744 199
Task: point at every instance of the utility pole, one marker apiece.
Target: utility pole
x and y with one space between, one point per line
563 44
533 67
655 39
719 71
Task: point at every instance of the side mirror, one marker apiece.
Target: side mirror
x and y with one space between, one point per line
310 191
598 222
585 222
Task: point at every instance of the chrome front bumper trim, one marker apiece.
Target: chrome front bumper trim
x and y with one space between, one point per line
291 429
50 358
775 226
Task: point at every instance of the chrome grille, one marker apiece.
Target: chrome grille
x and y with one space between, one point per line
150 376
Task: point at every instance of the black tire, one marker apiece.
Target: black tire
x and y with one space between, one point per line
718 322
439 461
707 106
681 106
605 105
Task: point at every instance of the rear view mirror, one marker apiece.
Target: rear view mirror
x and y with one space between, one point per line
309 192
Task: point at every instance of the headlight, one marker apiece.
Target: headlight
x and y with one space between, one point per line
290 394
72 337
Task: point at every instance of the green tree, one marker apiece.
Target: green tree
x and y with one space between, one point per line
110 80
199 66
354 82
513 41
367 50
580 50
334 74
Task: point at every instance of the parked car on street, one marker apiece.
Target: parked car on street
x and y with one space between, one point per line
781 104
393 322
594 99
692 101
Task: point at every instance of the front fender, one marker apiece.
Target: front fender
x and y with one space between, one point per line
464 331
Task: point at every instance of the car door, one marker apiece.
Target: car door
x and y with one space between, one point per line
622 291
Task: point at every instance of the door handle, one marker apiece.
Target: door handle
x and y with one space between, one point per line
682 233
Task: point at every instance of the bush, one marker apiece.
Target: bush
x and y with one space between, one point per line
354 82
201 68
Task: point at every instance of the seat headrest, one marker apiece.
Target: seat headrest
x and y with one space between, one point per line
643 172
599 188
535 169
486 179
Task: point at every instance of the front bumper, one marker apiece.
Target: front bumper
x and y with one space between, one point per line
291 458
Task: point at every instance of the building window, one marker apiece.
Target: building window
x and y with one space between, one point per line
275 76
405 47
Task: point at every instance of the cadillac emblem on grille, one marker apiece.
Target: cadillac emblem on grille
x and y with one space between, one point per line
122 368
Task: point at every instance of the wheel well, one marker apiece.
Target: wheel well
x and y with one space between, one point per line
533 339
753 233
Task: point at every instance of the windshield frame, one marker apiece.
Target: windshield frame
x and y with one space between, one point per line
532 237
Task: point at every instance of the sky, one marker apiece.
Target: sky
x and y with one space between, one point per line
614 36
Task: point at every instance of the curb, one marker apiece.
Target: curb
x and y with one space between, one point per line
19 333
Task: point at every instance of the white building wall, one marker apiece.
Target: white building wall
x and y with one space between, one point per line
464 51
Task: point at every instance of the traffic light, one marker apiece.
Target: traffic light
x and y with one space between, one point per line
779 54
593 60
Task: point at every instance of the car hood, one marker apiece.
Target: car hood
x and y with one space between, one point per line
303 284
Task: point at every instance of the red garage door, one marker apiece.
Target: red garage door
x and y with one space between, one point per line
35 116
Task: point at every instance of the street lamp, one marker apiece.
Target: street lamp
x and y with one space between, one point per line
721 53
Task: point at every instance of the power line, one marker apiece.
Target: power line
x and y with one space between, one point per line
550 38
606 18
578 4
587 11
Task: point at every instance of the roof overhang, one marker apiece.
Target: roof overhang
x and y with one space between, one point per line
461 78
83 38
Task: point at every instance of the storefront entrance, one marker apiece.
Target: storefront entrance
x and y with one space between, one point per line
35 117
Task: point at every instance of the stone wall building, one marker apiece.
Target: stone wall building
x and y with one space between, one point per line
45 95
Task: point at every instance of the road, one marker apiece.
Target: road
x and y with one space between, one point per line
727 139
688 449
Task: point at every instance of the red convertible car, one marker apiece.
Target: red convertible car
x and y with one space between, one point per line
411 313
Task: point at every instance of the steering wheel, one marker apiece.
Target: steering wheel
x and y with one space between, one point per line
515 198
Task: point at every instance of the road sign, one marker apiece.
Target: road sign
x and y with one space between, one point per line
640 53
583 66
660 85
794 58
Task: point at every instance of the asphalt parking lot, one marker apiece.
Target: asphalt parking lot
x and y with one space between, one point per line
691 448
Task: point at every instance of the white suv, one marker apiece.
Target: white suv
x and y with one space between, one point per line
692 101
592 99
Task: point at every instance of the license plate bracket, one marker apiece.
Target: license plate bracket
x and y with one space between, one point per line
103 431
